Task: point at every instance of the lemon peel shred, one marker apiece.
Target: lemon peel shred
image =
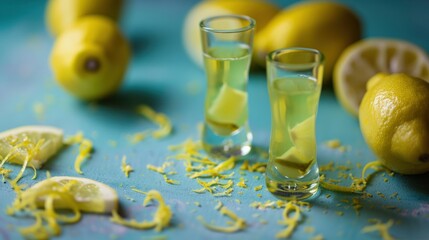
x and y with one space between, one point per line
237 225
382 228
258 188
85 149
242 183
165 127
290 222
358 185
126 168
161 218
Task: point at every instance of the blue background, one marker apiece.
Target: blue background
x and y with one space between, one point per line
162 76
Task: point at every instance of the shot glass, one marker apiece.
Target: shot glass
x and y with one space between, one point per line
294 78
227 48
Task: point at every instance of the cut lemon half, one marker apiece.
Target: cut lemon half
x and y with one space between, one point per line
89 195
362 60
35 144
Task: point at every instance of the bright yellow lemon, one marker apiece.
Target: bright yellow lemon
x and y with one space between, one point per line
90 58
394 119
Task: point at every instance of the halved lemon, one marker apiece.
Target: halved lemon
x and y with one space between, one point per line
35 143
362 60
89 195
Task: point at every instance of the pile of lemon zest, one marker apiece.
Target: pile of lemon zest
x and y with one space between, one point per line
258 167
46 221
382 228
238 223
216 170
290 222
161 218
165 127
258 188
126 168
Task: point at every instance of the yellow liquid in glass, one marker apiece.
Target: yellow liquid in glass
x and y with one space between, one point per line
293 143
227 68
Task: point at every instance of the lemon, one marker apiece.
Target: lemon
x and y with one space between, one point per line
326 26
90 195
35 143
62 14
394 121
362 60
90 58
259 10
228 110
303 136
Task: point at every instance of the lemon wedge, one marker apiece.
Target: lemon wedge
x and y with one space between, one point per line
227 112
35 144
362 60
89 195
303 135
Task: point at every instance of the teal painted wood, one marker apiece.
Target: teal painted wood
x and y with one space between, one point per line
160 75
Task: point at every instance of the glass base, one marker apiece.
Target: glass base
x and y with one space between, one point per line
237 144
282 187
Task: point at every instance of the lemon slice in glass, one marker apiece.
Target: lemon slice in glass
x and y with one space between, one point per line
362 60
228 110
38 143
90 195
303 136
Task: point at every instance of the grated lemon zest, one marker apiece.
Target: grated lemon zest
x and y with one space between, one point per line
335 143
242 183
382 228
165 127
290 222
358 184
126 168
85 149
170 181
258 188
46 220
219 205
238 223
226 193
161 218
216 170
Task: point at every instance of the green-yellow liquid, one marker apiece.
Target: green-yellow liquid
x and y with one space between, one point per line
227 68
294 106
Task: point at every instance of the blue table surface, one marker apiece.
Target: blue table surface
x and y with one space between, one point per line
162 76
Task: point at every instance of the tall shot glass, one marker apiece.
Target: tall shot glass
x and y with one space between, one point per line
227 46
294 83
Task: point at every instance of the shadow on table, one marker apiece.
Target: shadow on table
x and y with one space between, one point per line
121 108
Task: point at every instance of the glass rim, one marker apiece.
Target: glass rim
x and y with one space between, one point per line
204 23
271 57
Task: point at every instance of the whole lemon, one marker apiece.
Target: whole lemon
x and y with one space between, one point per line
261 11
326 26
394 120
61 14
90 58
